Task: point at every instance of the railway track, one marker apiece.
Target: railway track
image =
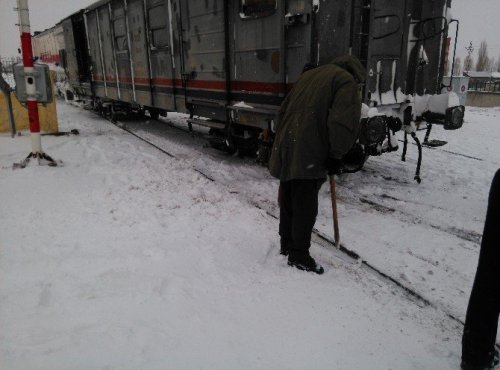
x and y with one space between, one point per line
344 253
349 255
467 235
447 151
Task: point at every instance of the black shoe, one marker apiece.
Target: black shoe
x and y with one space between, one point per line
305 263
488 366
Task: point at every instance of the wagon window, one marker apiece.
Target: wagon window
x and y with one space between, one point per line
257 8
158 26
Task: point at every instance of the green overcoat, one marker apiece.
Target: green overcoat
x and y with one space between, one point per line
320 118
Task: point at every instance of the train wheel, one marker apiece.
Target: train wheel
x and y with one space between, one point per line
154 113
263 152
113 113
218 141
264 146
101 110
354 159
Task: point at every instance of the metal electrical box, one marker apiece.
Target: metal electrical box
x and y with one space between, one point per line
460 86
43 85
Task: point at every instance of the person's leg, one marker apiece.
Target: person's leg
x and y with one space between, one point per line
285 203
305 210
481 322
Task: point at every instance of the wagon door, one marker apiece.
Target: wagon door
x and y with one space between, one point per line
160 51
203 52
138 48
107 51
77 63
337 29
259 60
299 19
386 63
430 30
71 65
96 59
101 52
119 33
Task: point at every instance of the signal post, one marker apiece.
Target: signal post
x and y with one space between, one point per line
31 91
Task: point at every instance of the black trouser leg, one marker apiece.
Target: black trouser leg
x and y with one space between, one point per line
481 322
298 211
285 203
305 210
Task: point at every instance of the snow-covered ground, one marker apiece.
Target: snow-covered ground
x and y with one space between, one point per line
125 258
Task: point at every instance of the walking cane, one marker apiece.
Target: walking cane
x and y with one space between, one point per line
334 211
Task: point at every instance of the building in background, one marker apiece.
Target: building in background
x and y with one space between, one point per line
484 89
484 81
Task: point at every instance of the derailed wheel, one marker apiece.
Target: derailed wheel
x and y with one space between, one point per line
154 113
355 158
218 141
113 113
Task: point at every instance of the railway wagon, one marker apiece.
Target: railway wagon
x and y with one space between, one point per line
230 63
49 46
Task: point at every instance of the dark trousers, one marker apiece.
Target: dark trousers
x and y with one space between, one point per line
481 322
298 210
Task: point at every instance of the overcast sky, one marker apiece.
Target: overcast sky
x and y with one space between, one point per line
478 21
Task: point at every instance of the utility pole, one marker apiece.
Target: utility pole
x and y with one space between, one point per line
32 103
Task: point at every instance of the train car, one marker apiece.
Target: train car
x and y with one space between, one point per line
48 45
65 44
230 63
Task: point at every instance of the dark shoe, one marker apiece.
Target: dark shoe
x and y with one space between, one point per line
305 263
488 366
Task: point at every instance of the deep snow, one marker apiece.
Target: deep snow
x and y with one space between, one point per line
125 258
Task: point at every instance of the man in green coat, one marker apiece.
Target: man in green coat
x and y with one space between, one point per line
318 123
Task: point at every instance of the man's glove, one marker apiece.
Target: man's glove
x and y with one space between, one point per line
334 166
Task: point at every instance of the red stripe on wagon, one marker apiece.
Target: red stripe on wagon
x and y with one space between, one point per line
250 86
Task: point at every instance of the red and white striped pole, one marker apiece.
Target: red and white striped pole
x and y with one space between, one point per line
32 103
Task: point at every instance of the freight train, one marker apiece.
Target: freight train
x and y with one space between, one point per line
230 63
